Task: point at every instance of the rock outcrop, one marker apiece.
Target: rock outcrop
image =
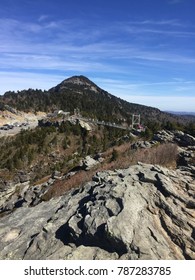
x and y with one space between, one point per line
142 212
88 163
179 137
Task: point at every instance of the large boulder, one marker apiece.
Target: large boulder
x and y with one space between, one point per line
85 125
184 139
88 163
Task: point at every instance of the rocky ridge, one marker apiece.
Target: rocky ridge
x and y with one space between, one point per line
142 212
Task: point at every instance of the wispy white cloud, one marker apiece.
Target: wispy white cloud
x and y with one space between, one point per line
180 103
163 22
141 87
51 61
26 54
169 57
43 18
146 93
173 28
24 80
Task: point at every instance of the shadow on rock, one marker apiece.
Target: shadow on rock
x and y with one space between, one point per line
99 239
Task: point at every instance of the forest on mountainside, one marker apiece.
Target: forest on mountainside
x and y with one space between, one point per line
92 101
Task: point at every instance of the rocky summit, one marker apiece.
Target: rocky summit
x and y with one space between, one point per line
142 212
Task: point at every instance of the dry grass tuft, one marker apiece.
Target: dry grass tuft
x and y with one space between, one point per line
165 155
62 186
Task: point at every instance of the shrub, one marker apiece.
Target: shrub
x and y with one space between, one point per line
164 154
115 155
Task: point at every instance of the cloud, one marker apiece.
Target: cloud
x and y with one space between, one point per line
168 98
168 103
43 18
159 23
44 53
140 87
168 56
23 80
173 28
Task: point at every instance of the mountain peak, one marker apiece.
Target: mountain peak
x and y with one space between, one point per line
78 81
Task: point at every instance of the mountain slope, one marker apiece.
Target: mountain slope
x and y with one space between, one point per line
80 92
96 102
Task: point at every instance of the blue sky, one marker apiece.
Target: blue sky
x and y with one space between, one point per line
140 50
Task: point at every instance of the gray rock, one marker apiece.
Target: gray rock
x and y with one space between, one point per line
163 136
181 138
91 253
141 144
23 177
88 163
142 212
184 139
56 175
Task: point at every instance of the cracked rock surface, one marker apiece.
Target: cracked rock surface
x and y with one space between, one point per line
143 212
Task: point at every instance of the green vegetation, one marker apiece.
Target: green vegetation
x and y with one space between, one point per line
45 149
115 155
190 128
